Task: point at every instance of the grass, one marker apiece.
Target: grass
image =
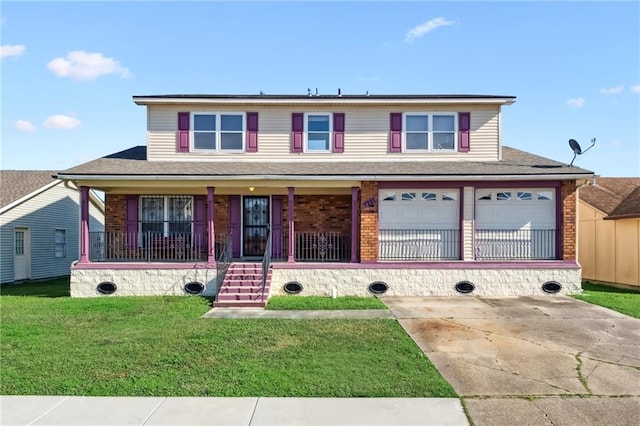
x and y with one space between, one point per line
159 346
58 287
282 303
625 301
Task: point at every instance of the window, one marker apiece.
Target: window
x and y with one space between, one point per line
429 196
449 196
390 196
484 196
430 132
19 243
60 242
524 195
408 196
166 214
318 132
503 196
545 195
218 131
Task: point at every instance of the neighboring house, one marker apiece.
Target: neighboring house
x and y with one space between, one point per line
346 194
609 230
40 224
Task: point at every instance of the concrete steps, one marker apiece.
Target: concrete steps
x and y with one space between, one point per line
242 287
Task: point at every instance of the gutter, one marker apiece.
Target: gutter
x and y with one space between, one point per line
318 101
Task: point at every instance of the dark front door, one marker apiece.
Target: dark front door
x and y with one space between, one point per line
255 225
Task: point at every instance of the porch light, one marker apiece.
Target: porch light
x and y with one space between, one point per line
251 188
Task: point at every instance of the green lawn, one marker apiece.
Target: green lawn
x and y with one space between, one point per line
53 288
159 346
621 300
323 303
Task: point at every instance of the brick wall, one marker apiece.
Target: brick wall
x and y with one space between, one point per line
369 221
114 210
568 194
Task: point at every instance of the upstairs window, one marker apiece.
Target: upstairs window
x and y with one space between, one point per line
218 131
318 128
430 131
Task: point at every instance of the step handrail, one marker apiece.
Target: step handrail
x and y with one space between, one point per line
266 262
222 265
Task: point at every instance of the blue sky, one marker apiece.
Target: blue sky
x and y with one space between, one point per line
70 69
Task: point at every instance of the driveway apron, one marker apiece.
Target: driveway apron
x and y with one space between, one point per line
511 359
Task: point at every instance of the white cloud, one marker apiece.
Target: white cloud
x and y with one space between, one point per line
576 103
428 26
635 89
25 126
62 122
612 90
81 65
12 50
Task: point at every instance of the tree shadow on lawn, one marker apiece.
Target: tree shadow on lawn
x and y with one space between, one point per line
57 287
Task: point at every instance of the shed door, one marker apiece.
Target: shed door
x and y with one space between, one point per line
21 254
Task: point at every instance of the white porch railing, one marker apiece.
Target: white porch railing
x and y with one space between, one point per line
515 244
418 244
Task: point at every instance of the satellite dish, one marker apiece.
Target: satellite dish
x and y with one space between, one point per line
577 150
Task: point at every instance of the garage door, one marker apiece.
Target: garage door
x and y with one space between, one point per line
419 209
515 224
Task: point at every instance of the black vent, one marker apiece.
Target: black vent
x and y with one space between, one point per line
106 287
551 287
378 287
465 287
292 287
194 287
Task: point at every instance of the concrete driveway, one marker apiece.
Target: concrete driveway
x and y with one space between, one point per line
530 360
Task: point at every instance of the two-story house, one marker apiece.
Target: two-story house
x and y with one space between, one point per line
240 195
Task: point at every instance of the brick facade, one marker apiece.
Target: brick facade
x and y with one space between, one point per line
568 194
369 221
114 211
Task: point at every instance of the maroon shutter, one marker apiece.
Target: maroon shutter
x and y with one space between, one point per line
182 139
199 220
464 126
252 132
131 220
395 136
297 131
338 132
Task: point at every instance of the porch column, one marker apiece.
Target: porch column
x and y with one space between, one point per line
211 236
84 224
467 223
354 224
292 245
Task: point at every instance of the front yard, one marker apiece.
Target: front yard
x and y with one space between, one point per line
159 346
626 301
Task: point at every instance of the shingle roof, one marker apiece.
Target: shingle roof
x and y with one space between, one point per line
616 197
16 184
132 162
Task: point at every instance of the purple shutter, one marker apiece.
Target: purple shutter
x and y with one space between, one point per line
252 132
297 131
395 136
277 204
182 138
131 220
464 126
338 132
234 224
199 221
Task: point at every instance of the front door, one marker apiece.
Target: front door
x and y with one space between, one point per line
255 215
21 254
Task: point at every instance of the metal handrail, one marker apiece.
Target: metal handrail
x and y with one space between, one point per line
266 261
223 262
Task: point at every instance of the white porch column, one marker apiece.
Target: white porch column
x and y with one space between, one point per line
468 204
84 224
292 245
211 235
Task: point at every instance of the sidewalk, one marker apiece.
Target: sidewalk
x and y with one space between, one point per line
298 314
148 411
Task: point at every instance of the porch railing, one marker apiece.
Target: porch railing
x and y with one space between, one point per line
223 259
322 247
515 244
418 244
147 247
266 261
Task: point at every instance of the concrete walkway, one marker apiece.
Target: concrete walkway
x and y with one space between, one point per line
327 314
530 360
154 411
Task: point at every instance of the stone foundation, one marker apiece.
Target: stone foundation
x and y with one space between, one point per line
142 282
427 282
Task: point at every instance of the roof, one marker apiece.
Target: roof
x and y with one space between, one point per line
618 198
20 183
313 98
131 163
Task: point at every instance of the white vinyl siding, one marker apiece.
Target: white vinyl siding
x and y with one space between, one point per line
55 208
366 136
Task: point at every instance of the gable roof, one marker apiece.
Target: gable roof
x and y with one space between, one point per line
618 198
17 184
132 164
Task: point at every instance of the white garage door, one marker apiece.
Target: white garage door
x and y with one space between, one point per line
419 209
515 208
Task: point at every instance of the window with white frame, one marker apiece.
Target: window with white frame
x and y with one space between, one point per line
60 243
430 131
166 214
318 132
218 131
